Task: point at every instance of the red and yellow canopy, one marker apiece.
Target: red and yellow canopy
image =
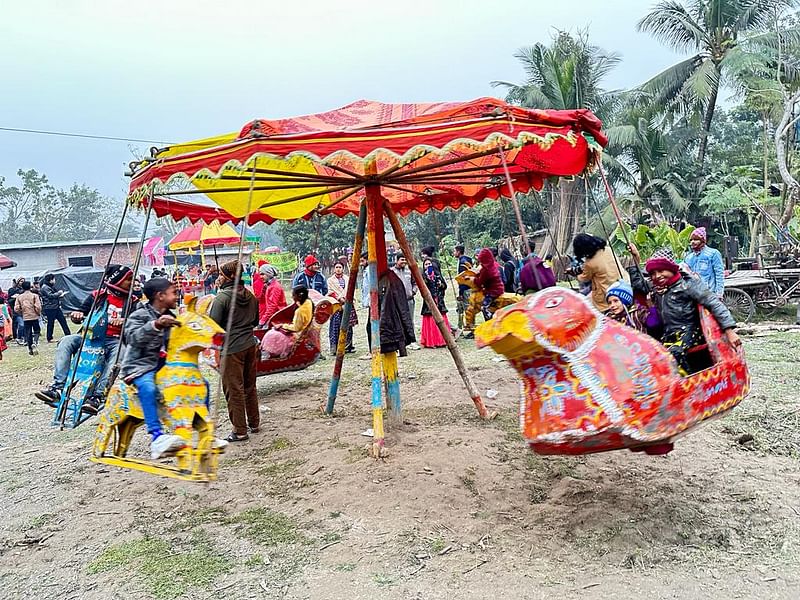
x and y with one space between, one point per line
423 156
201 234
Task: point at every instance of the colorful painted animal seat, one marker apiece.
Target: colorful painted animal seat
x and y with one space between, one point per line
84 370
467 277
592 384
306 348
184 407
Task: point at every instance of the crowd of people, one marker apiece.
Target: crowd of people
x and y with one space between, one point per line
660 299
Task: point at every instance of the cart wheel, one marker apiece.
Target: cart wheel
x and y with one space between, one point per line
740 304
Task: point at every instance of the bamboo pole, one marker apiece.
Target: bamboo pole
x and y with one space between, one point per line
348 308
375 220
437 315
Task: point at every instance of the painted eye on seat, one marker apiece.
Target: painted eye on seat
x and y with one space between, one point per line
553 302
194 326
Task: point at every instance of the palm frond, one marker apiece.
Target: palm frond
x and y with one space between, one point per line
670 23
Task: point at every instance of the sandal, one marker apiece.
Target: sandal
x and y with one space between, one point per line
255 429
232 437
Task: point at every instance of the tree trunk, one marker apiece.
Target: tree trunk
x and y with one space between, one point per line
792 185
707 119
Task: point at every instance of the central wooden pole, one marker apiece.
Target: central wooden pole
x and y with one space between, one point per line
376 259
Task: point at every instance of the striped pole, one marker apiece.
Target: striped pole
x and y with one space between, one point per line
374 204
348 309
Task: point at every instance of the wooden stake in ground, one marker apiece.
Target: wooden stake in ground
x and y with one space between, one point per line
348 309
437 315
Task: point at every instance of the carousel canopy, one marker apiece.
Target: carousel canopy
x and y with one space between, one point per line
423 156
201 234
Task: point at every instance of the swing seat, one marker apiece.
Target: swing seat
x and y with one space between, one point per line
306 349
591 384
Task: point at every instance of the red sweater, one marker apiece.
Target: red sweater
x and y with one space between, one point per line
271 299
488 279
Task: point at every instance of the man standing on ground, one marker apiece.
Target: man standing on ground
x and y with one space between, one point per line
706 262
403 271
310 277
238 361
29 306
51 306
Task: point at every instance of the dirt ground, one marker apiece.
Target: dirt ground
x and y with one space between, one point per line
459 508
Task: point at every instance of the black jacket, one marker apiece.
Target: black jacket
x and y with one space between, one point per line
397 328
51 298
677 307
436 288
245 317
509 272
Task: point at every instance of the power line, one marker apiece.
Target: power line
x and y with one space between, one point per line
82 135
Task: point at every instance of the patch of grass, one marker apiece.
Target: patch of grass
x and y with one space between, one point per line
163 571
40 520
266 527
383 579
437 545
331 537
468 479
254 561
192 519
281 469
345 567
278 444
335 514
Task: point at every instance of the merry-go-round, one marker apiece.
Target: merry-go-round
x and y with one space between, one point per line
588 384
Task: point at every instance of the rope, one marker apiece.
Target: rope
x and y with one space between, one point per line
63 416
603 226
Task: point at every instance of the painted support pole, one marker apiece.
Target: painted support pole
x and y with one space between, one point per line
437 315
348 309
389 361
374 204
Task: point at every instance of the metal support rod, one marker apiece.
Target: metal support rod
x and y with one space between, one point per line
63 416
348 308
437 315
223 355
137 261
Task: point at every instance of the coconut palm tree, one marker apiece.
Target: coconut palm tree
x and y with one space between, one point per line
567 74
644 158
722 35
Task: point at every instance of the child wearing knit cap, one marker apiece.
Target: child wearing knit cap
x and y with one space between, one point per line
622 308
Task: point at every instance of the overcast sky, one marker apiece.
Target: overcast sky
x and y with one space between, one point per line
176 70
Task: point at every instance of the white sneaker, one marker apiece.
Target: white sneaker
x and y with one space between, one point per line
414 346
165 444
219 444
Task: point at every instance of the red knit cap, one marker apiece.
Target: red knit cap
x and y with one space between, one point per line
663 259
310 260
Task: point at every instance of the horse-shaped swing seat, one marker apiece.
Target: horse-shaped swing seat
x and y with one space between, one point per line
467 277
591 384
306 349
184 409
84 371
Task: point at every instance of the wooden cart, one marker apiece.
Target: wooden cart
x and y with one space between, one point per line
769 289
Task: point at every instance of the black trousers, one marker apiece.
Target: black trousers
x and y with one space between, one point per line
32 332
53 315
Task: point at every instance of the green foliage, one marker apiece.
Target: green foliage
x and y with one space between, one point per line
335 234
650 239
37 211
